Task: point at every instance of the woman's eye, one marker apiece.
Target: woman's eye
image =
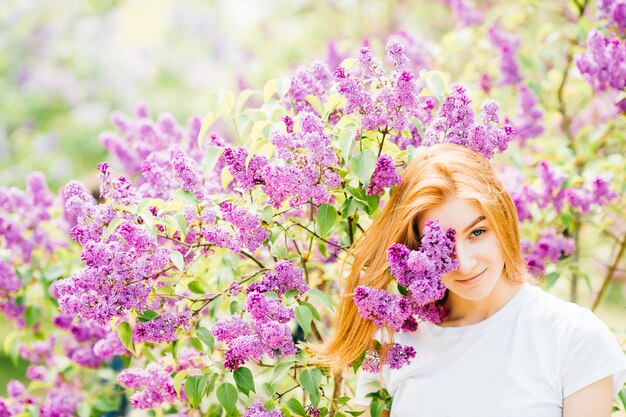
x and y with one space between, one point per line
477 232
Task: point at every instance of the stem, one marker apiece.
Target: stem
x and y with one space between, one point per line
609 275
336 392
573 295
382 142
318 236
316 332
350 233
252 258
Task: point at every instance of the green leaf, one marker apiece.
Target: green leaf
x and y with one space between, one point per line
355 413
178 381
148 315
622 396
211 157
268 389
177 259
281 369
376 407
321 297
316 103
207 121
296 407
227 396
316 314
181 221
83 409
363 165
31 316
346 139
436 85
245 381
356 364
311 380
304 318
196 287
197 344
111 228
206 337
186 197
326 218
194 388
126 335
552 278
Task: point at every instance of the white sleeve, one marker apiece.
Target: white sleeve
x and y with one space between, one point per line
592 354
366 383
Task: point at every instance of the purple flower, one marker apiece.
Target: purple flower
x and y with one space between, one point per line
507 44
263 309
242 349
231 328
60 402
399 355
385 175
276 339
163 328
314 80
395 51
286 277
465 12
603 65
550 247
15 389
370 65
529 117
9 281
257 409
156 383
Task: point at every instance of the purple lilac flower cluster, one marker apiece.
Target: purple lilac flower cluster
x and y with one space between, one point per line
603 65
26 228
465 12
257 409
302 169
22 216
162 329
268 331
507 44
243 230
396 358
60 402
160 155
385 175
118 276
615 12
386 102
553 193
17 399
156 384
455 123
528 122
313 80
419 272
551 247
91 343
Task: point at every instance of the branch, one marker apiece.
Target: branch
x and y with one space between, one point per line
609 275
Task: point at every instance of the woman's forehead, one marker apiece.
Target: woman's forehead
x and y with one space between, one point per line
456 213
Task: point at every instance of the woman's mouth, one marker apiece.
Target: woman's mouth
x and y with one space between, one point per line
472 281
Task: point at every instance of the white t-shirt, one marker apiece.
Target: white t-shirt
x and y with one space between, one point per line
521 361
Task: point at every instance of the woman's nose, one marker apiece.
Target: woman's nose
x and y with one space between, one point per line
465 258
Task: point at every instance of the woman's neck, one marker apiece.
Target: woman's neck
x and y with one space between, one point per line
464 312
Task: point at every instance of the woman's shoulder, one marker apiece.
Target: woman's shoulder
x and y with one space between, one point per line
562 316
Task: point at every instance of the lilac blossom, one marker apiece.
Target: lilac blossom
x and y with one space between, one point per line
9 282
163 328
247 177
603 65
551 247
156 384
286 277
615 12
257 409
385 175
465 12
60 402
395 51
397 356
529 117
314 80
507 44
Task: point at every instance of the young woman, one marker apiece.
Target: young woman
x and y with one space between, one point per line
507 348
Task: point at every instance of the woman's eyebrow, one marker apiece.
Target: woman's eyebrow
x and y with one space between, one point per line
474 223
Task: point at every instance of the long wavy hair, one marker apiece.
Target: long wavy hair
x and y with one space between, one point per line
440 172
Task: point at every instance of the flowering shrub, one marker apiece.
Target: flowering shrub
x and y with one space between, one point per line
215 249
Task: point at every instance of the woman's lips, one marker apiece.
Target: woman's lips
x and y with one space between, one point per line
473 280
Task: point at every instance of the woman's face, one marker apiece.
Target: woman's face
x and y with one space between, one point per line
480 263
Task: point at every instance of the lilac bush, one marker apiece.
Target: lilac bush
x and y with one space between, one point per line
193 279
